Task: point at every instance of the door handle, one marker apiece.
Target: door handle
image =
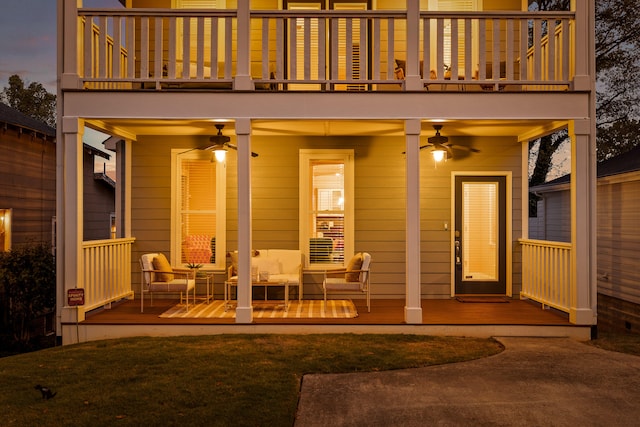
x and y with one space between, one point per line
458 253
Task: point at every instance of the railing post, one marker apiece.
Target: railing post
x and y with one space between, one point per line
583 42
413 80
68 45
242 80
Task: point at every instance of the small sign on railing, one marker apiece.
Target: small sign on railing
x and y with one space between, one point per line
75 297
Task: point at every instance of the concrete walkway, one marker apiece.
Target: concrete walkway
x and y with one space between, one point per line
534 382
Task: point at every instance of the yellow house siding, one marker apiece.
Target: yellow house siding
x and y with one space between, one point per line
151 197
379 200
496 155
380 211
274 187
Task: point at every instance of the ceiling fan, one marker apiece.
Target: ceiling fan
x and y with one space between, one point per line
440 144
220 142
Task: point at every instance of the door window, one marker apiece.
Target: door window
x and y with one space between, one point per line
480 237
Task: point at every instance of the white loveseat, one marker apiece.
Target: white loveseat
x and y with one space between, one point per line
280 264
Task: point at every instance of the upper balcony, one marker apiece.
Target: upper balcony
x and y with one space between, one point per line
328 50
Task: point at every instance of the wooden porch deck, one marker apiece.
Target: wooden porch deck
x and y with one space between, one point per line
440 318
383 312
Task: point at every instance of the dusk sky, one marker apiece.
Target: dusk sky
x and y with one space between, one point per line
28 39
28 47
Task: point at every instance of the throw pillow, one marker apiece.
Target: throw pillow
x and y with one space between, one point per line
354 264
234 263
401 64
234 260
160 263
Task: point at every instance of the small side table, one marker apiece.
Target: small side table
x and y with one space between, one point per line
228 284
208 278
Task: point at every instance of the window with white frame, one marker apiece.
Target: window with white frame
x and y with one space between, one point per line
326 206
198 209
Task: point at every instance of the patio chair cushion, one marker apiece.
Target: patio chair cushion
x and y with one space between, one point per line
268 264
355 263
161 263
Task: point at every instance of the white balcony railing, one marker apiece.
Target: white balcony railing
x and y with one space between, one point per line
107 271
546 273
324 50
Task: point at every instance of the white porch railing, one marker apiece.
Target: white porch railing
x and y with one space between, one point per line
546 273
323 50
107 272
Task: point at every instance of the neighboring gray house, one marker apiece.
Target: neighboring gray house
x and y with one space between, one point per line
618 216
99 197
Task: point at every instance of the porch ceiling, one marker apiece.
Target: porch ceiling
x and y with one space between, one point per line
524 129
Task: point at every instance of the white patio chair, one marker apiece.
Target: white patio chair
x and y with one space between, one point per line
355 278
158 276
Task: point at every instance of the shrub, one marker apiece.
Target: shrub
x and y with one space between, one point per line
27 289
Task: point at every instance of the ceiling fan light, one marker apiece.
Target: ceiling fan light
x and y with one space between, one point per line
220 154
438 155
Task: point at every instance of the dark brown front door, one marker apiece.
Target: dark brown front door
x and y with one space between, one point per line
480 235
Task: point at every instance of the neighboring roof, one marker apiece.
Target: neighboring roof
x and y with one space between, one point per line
100 176
622 163
14 117
625 162
95 151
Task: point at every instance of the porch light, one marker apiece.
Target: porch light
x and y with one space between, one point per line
438 155
221 154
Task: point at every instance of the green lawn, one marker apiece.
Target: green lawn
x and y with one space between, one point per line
226 380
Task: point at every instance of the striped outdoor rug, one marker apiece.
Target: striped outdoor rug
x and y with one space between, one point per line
307 309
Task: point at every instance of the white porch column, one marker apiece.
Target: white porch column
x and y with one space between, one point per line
413 309
69 213
123 188
242 80
583 226
244 310
413 79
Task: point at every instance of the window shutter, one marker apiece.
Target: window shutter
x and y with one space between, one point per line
193 30
480 235
198 199
197 4
354 45
458 6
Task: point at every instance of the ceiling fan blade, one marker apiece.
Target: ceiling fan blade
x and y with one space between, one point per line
206 147
421 148
233 147
464 148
